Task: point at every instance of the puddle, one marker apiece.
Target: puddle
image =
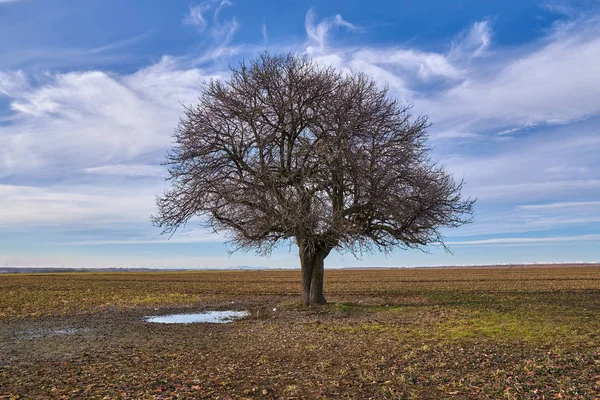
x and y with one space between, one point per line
213 317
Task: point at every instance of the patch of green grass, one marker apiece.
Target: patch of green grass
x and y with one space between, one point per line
530 327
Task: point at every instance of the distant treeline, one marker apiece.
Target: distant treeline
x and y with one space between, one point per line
42 270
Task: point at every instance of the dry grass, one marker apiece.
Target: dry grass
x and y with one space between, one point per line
507 333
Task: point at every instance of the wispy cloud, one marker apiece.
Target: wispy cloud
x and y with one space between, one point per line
318 32
75 205
120 44
30 56
196 16
12 82
566 8
221 31
553 84
142 260
264 32
402 69
527 240
194 236
472 42
536 190
560 205
480 88
132 170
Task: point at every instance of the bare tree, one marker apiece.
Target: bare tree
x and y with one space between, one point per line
290 150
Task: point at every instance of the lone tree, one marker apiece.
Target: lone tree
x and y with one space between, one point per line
290 150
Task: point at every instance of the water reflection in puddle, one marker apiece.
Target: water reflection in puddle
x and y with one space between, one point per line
214 317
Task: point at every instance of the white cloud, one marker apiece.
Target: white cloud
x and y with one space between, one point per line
12 82
527 240
193 236
472 42
562 7
95 125
196 15
552 81
318 32
496 215
221 31
549 165
91 119
553 84
410 62
398 68
224 31
142 260
97 206
127 170
404 70
566 169
561 205
535 190
264 32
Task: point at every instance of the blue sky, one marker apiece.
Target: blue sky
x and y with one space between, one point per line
90 92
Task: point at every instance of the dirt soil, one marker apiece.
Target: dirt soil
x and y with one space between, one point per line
528 334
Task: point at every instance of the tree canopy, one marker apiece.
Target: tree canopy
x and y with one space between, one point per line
287 149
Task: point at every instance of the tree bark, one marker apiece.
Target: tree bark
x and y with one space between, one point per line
312 269
316 285
306 267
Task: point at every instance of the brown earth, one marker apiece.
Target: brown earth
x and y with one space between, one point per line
508 333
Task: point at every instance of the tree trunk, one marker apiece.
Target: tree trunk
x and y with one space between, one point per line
316 285
312 269
306 266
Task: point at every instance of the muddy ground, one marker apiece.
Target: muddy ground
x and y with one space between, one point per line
431 342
